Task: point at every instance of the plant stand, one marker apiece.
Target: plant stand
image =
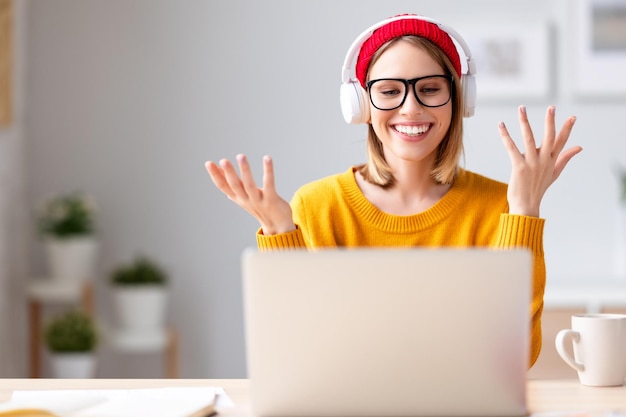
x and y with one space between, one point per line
47 291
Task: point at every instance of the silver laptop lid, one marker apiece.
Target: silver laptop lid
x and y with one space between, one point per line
393 332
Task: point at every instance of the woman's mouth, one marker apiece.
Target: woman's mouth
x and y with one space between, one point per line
412 130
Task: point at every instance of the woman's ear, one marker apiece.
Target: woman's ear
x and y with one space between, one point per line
367 111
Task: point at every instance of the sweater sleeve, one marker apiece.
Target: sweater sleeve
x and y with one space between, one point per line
289 240
523 231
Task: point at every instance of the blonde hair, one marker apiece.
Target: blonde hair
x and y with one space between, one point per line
450 150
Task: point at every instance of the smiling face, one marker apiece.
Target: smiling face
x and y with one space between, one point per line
412 132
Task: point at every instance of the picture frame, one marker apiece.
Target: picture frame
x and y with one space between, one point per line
512 59
599 48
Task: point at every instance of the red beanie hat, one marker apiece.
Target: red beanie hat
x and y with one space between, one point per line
402 27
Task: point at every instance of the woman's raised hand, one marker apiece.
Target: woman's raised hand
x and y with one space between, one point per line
533 171
271 210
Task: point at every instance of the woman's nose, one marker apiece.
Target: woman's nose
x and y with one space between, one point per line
411 105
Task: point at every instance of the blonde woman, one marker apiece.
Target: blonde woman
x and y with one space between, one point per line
412 190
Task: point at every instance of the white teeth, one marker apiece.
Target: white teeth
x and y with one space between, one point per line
412 130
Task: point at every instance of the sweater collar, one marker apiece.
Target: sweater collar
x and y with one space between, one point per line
402 224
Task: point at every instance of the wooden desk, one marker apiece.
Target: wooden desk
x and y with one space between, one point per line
544 396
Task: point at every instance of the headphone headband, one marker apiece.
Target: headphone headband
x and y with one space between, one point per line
355 48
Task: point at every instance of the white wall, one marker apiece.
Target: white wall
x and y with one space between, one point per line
127 99
13 220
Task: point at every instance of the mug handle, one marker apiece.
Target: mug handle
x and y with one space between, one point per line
560 348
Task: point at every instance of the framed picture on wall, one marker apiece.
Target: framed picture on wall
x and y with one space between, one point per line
599 50
512 59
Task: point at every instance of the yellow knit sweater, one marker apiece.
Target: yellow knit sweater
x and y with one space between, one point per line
333 212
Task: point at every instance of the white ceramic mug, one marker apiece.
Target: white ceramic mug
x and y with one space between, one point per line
599 344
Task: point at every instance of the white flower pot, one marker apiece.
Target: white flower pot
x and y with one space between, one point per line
73 365
140 308
73 259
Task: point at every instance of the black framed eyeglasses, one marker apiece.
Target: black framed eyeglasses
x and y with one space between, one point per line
430 91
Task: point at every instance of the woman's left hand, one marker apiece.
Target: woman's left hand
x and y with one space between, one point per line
533 171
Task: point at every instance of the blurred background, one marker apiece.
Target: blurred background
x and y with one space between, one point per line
126 100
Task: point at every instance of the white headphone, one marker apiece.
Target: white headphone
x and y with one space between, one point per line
353 98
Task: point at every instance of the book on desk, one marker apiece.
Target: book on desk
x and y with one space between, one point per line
154 402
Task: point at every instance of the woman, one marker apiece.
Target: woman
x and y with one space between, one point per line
412 191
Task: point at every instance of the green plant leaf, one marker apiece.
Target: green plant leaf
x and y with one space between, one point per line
67 216
142 271
73 331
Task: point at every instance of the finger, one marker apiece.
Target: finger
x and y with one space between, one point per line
214 171
218 178
509 144
564 159
268 175
549 131
212 168
563 135
233 179
527 133
247 179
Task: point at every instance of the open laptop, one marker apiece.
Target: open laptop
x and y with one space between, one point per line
387 332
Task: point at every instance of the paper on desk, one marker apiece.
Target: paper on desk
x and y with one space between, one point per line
223 400
167 402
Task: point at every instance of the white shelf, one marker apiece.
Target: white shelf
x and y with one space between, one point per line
137 342
47 290
588 294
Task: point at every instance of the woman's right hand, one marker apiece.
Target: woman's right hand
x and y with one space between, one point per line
271 210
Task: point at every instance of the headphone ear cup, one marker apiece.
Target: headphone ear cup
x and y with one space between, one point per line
468 84
354 104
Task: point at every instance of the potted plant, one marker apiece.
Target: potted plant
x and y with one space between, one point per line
67 226
140 300
71 339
